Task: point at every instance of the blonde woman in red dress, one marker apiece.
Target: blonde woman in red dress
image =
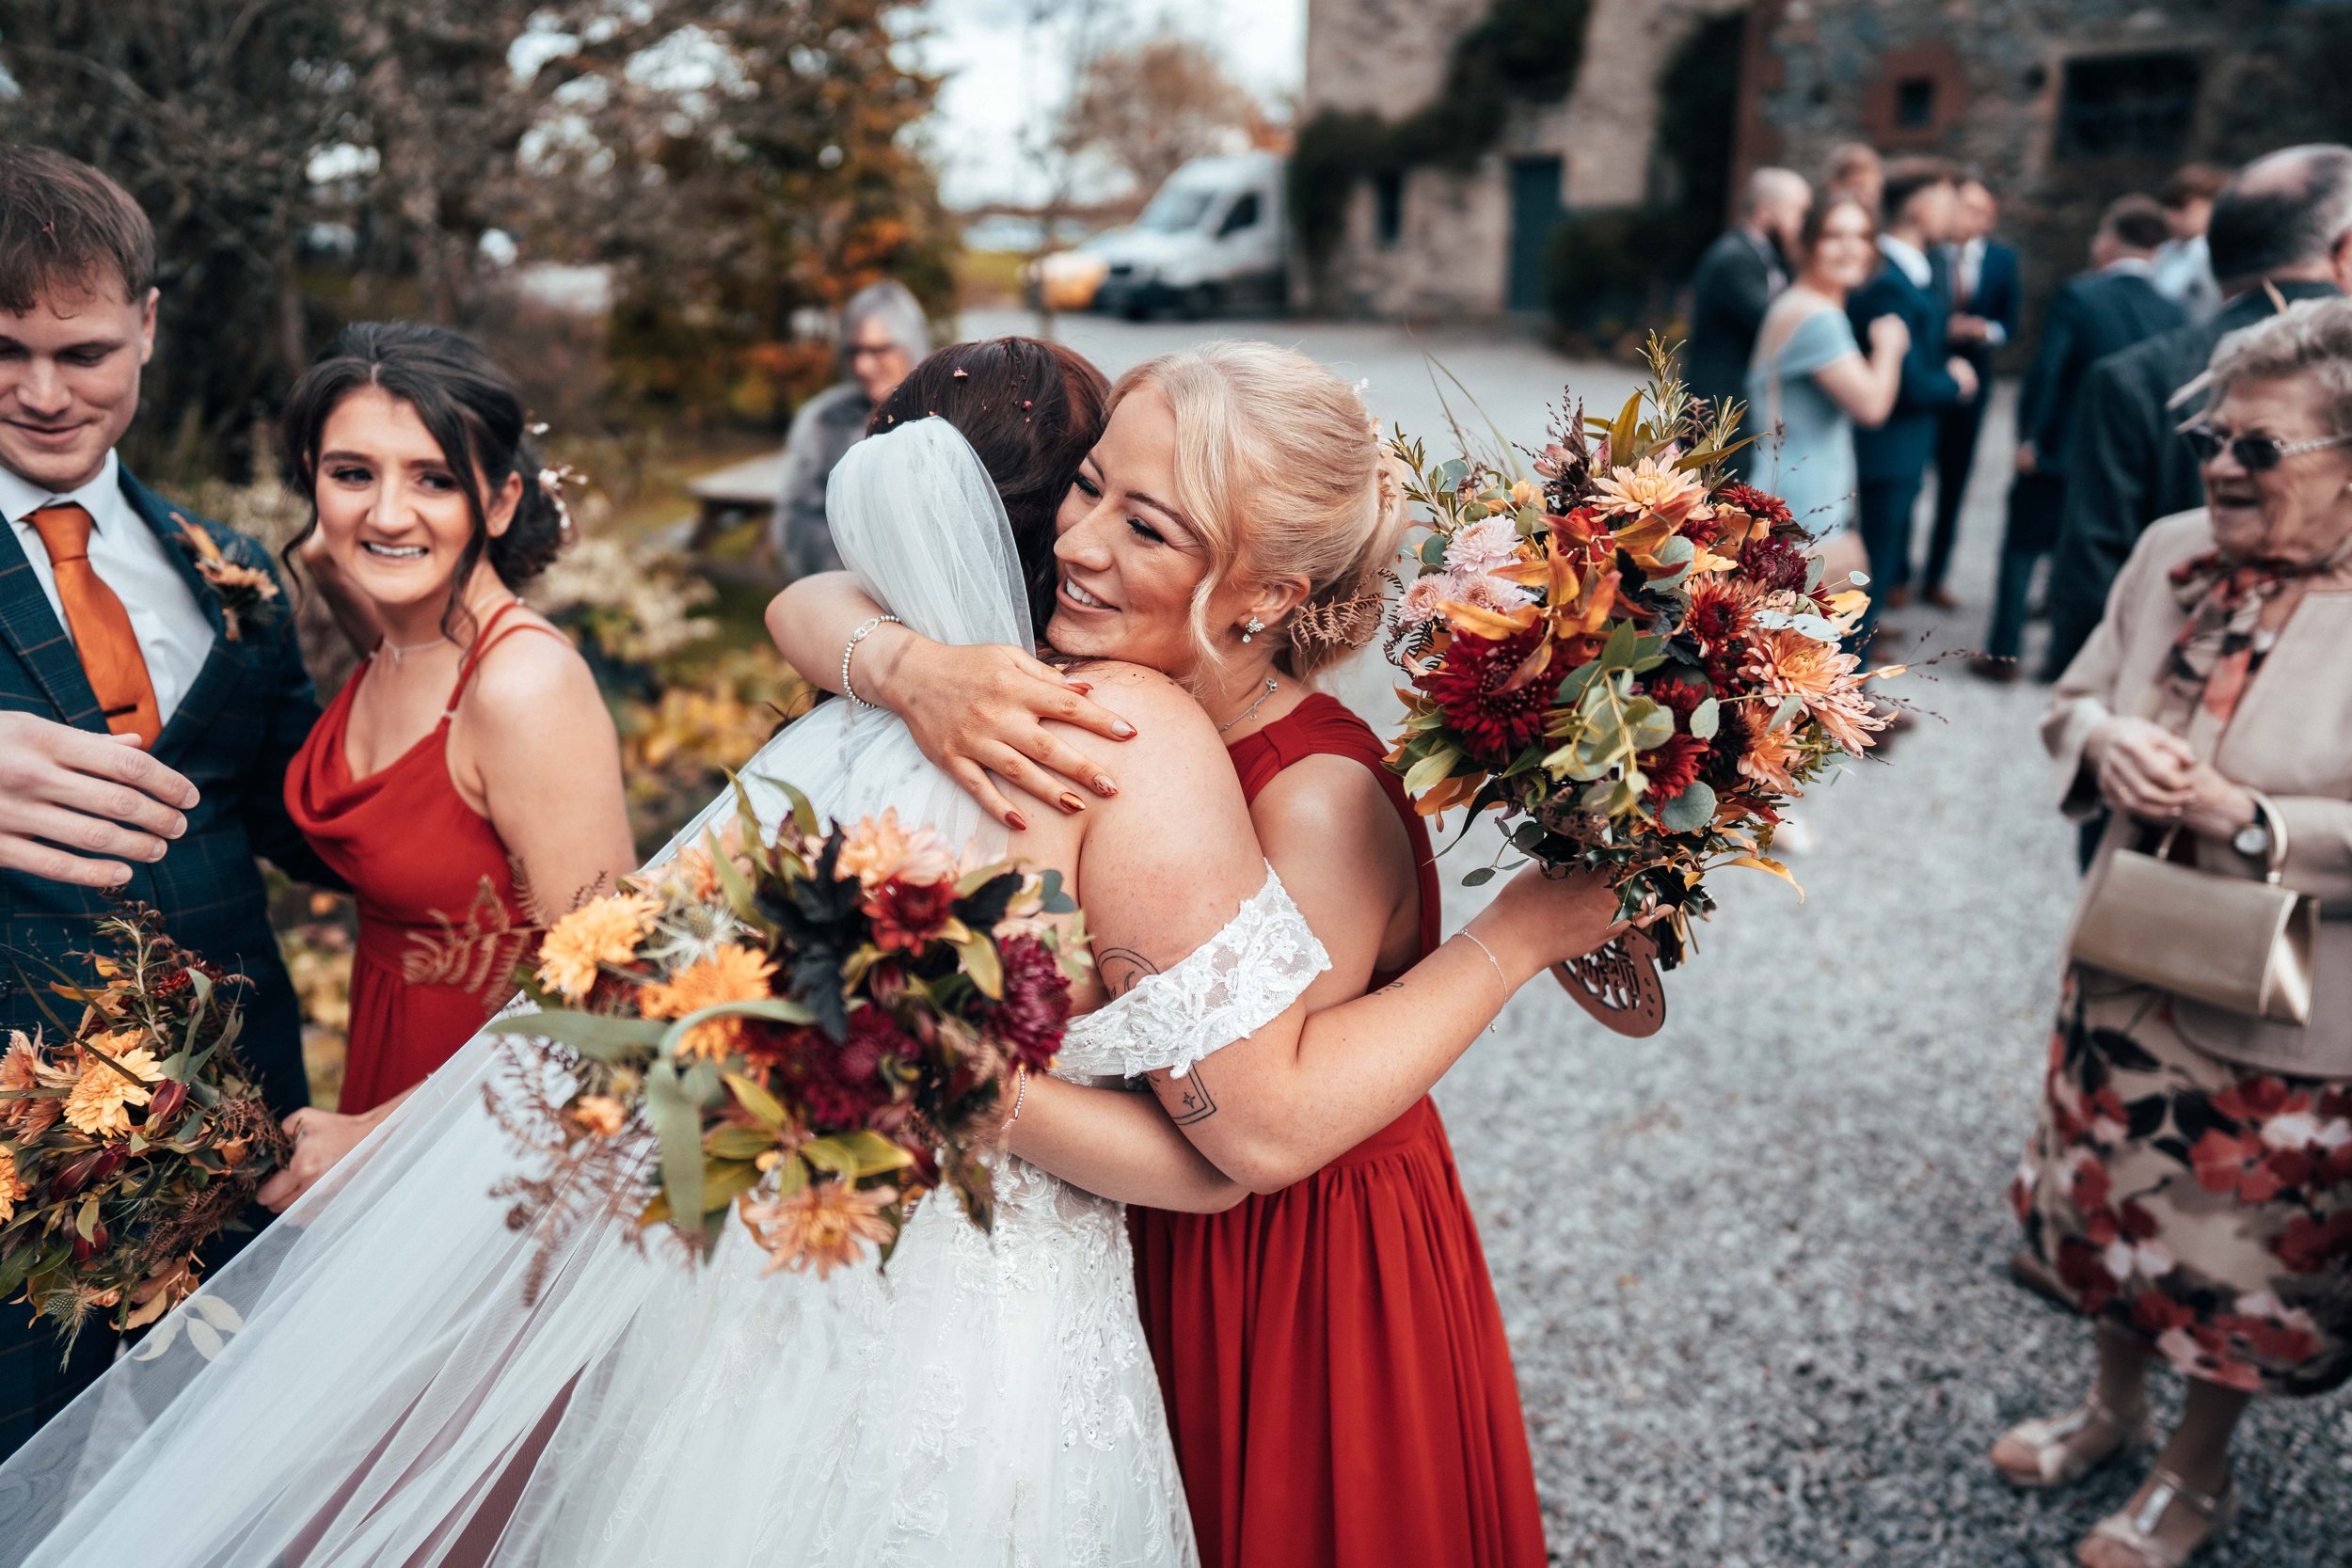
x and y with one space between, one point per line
1338 1382
471 742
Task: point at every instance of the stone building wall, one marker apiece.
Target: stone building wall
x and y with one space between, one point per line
1450 256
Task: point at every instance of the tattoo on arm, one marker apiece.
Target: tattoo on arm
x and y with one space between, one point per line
1122 968
1187 1100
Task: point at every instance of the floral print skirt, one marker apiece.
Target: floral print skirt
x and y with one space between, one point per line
2204 1204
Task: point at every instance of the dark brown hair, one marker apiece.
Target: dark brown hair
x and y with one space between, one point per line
1817 218
2136 220
1905 178
64 227
2193 182
475 412
1031 410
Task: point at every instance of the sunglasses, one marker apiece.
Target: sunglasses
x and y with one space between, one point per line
2254 453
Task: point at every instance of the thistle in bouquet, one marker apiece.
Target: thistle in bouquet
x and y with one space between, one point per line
131 1137
1631 658
813 1027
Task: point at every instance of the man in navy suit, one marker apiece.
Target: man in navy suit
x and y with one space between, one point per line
1986 297
2100 313
1735 283
144 734
1891 462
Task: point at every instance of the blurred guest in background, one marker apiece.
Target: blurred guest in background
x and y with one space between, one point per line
2189 1184
2283 228
1811 383
2185 264
1854 169
1735 282
1891 461
882 336
2107 309
1987 293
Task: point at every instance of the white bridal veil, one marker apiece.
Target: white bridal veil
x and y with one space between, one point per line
365 1382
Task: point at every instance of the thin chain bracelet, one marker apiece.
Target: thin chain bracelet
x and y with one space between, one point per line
865 630
1492 962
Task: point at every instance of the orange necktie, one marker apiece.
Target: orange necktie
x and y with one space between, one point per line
101 627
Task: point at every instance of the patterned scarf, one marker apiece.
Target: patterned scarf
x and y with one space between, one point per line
2225 638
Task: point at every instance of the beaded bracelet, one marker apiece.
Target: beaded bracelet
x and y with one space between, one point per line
1020 1078
865 630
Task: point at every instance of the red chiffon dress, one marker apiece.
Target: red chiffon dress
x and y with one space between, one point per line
1337 1378
413 852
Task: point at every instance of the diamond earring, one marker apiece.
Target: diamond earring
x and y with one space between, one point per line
1252 628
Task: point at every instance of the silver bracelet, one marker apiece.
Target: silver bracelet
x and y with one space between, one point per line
865 630
1492 960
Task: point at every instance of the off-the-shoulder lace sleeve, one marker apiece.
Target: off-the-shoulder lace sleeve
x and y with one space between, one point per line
1227 989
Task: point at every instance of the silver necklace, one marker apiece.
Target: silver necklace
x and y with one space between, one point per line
1250 709
400 653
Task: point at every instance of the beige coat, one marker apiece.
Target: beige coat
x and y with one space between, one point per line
2290 738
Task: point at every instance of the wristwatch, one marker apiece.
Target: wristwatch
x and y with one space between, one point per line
2253 840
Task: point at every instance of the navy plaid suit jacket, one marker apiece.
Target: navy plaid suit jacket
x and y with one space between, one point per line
232 736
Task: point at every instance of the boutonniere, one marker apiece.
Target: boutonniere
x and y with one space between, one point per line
242 590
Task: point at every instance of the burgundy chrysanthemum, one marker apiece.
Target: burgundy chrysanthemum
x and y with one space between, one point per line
1494 724
1673 767
841 1085
1682 696
1754 502
1773 563
1035 1005
907 915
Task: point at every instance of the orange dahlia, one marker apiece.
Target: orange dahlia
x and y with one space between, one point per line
823 1225
1647 488
100 1104
602 931
733 973
13 1188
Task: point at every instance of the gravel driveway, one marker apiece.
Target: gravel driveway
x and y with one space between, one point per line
1751 1266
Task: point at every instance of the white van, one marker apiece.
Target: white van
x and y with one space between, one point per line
1213 237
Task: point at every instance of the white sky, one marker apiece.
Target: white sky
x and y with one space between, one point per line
1005 77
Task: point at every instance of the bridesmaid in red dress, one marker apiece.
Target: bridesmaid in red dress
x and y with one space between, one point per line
464 747
1337 1379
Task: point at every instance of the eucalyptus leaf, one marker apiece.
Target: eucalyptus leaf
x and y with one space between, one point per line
677 1123
1707 719
1617 653
1478 877
1690 811
1649 726
1433 550
1789 708
592 1034
1814 567
1675 551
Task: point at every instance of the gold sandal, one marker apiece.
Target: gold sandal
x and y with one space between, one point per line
2058 1460
2135 1529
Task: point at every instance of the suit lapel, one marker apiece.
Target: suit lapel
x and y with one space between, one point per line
34 633
218 675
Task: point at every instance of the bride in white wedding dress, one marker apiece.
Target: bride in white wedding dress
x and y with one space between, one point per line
366 1384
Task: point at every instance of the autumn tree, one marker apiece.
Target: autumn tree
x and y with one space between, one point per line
1154 107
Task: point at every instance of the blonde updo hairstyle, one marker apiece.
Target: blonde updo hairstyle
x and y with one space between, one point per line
1281 471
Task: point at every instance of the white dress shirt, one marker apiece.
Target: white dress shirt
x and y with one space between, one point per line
1909 259
173 632
1968 276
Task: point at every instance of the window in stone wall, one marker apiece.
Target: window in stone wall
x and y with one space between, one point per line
2127 106
1915 103
1388 206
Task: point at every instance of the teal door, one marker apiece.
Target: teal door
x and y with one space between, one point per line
1535 212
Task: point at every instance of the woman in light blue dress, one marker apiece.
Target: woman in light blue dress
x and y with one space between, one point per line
1810 383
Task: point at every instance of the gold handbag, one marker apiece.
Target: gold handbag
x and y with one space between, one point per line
2239 944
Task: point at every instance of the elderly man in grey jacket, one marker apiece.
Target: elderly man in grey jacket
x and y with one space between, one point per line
882 336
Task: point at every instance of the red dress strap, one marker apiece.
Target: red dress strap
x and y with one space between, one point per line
488 637
1323 726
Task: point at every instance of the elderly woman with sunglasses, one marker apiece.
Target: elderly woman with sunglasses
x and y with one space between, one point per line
2190 1185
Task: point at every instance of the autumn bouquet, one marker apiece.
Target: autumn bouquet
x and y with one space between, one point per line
1632 660
814 1026
131 1139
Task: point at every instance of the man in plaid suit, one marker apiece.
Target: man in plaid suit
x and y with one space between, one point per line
145 728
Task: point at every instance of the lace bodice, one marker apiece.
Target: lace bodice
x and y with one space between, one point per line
1229 987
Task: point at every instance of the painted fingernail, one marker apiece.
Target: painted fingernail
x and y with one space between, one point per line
1103 785
1072 804
1123 729
1017 822
1082 687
